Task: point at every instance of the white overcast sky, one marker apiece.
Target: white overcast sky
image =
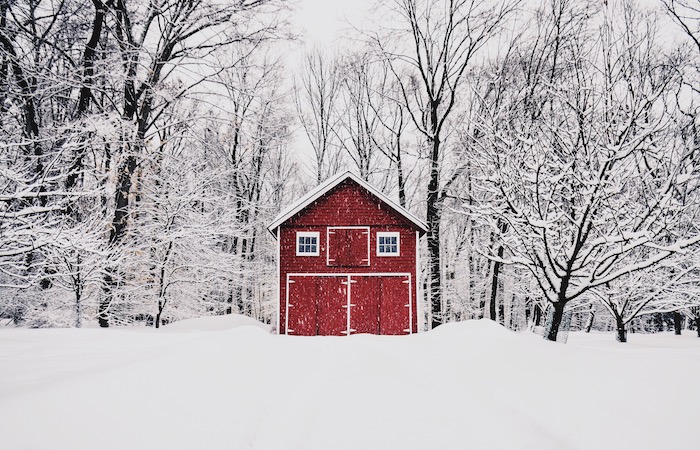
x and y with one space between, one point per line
323 20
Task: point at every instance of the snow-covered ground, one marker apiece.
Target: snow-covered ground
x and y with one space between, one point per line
219 385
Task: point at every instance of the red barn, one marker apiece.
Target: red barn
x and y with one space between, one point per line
347 262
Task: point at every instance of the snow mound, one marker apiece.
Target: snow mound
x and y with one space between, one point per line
470 385
216 323
483 328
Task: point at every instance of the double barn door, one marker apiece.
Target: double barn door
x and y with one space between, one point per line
348 304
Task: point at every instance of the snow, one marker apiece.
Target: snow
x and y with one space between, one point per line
216 323
233 386
684 177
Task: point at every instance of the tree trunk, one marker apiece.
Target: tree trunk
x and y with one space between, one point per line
78 308
677 322
78 290
433 221
400 177
494 287
591 317
502 228
87 85
238 296
239 299
119 222
621 331
161 307
528 313
697 325
434 281
106 299
229 302
162 300
536 315
556 321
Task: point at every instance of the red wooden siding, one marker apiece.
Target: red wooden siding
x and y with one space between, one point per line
383 297
364 316
347 205
394 306
302 318
290 263
331 298
348 247
377 304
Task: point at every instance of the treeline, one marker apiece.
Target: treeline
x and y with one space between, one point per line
552 147
143 146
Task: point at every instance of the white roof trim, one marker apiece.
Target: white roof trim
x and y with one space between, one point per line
329 184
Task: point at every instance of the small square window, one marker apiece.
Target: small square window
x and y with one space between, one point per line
388 244
307 243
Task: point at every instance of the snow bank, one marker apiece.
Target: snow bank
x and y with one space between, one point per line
468 385
216 323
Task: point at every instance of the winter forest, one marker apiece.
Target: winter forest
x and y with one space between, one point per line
551 146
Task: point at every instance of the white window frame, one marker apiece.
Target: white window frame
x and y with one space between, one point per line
311 234
386 234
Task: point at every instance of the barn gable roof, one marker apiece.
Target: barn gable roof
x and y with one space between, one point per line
328 185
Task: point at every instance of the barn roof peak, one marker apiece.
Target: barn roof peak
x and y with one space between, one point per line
329 184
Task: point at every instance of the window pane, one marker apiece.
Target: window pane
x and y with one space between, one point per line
388 243
307 244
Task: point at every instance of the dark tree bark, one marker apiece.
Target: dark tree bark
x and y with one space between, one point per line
161 307
556 321
537 315
89 57
591 318
86 90
435 274
117 231
677 323
163 285
620 327
497 266
494 285
399 175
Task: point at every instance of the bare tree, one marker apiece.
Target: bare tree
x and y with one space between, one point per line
589 196
512 96
358 124
246 149
643 292
443 38
161 38
45 58
384 99
316 99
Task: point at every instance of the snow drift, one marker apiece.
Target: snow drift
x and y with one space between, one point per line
467 385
